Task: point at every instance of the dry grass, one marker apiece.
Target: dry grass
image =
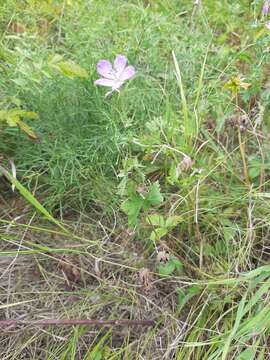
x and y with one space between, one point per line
49 275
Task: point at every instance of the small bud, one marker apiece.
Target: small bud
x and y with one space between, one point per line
163 257
13 171
141 189
186 163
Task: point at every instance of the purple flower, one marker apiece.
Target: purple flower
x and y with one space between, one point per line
114 76
265 8
267 24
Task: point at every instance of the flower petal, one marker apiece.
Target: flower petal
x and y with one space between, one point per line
119 64
265 9
105 82
128 73
104 68
117 84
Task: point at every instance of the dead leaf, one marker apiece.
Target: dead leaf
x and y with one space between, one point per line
97 267
145 278
210 124
17 27
44 26
70 271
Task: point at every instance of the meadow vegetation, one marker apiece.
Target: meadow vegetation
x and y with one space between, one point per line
149 204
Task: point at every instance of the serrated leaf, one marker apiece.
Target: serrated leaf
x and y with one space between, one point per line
154 196
132 207
136 202
155 220
172 265
158 233
167 269
172 221
173 174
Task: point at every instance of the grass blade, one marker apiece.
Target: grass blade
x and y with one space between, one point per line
188 125
31 199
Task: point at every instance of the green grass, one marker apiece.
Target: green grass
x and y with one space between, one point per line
114 183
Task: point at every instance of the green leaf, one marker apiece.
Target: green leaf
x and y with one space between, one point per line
136 202
254 169
177 263
68 68
158 233
27 114
26 129
132 207
14 115
13 118
100 350
248 354
173 174
154 196
54 59
172 265
172 221
97 355
233 332
185 296
155 220
228 233
166 269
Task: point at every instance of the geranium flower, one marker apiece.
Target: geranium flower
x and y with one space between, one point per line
115 75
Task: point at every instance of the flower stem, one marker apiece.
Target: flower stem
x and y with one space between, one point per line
243 155
242 144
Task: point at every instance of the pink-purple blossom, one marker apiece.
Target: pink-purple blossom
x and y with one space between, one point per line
115 75
265 9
